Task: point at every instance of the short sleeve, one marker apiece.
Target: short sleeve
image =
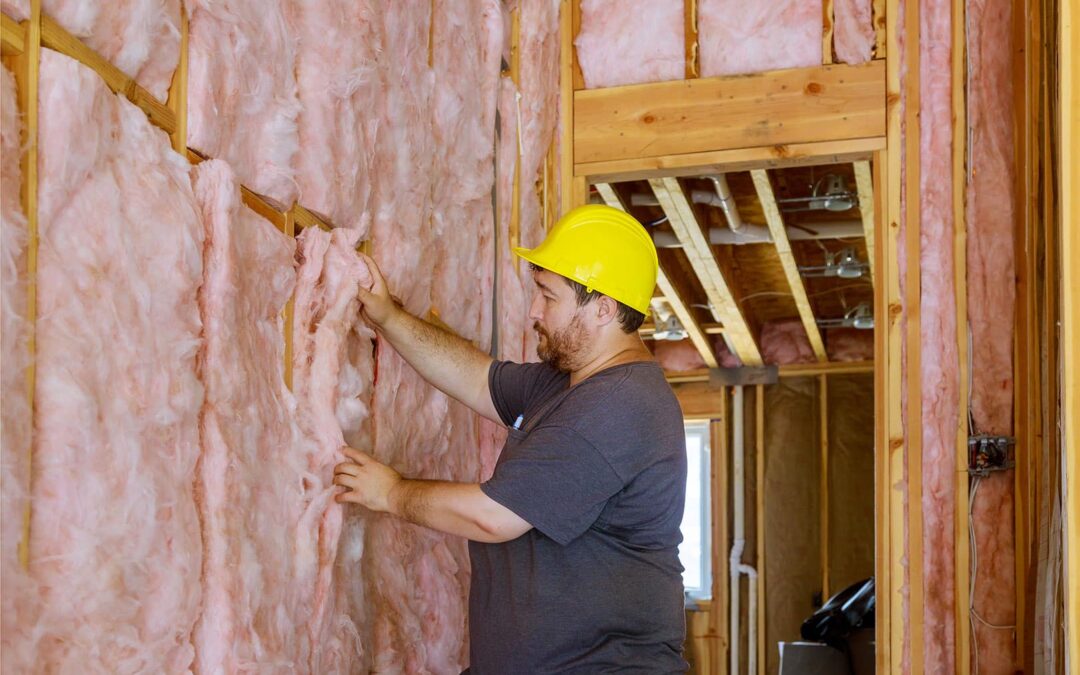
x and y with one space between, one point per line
512 386
556 481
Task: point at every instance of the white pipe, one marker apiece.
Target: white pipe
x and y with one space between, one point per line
727 202
735 564
759 234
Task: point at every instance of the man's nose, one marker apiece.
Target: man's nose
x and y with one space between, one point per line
535 308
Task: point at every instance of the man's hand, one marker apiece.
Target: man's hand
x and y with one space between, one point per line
379 306
367 482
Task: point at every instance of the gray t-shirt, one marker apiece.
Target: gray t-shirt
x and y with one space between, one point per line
599 470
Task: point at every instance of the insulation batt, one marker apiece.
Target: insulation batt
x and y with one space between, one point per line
618 45
253 463
332 379
738 37
242 92
849 344
140 37
992 219
17 596
115 542
340 94
784 342
512 287
853 30
939 362
16 9
677 357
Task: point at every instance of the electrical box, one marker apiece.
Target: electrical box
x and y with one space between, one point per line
988 453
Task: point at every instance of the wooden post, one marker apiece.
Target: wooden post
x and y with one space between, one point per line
690 38
27 75
178 90
865 186
826 32
721 535
759 463
823 437
566 100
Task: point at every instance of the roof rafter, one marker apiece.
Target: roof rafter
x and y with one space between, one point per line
865 187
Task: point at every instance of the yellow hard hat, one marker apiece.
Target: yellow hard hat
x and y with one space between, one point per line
605 250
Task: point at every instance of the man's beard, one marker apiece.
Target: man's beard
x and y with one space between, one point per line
561 347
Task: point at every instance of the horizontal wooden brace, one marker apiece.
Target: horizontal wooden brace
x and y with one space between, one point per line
13 36
822 103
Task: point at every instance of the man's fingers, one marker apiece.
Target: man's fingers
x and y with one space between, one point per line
355 455
348 468
346 481
347 497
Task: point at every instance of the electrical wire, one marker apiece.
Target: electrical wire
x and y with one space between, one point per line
973 614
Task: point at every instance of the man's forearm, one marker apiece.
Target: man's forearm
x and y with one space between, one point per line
461 509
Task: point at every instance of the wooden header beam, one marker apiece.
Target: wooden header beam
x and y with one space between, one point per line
803 105
679 307
787 260
680 214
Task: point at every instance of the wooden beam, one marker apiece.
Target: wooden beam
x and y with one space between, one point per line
575 28
793 370
814 153
880 32
826 32
759 464
56 38
305 218
865 186
13 36
690 39
289 316
178 91
566 101
27 73
678 305
684 222
721 534
1069 106
765 194
823 438
708 328
823 103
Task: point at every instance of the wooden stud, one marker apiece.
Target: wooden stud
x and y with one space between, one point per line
865 186
12 36
431 37
56 38
721 533
826 32
823 438
684 222
305 218
1068 190
178 91
913 337
679 307
759 463
765 194
566 101
812 153
515 45
962 572
690 34
575 28
800 105
27 72
880 31
290 310
515 195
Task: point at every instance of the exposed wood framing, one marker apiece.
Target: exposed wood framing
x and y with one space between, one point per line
25 69
13 36
823 438
648 330
566 100
575 28
55 37
962 572
827 32
1069 191
864 184
305 218
802 105
515 75
812 153
682 311
765 194
178 91
720 531
759 464
880 32
725 309
793 370
690 38
289 314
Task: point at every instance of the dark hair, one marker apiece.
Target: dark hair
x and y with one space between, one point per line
629 318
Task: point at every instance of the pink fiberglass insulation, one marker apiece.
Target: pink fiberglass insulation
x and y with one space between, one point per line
785 342
849 344
252 468
512 275
115 542
737 37
678 356
16 9
991 221
140 37
619 45
242 96
17 596
333 371
340 95
939 361
539 104
853 30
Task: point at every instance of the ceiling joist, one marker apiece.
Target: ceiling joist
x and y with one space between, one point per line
764 189
696 245
679 306
865 186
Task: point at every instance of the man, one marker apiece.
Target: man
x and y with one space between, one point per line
574 540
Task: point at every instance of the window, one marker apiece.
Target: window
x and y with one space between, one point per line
695 552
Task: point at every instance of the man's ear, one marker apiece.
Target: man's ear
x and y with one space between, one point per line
606 310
